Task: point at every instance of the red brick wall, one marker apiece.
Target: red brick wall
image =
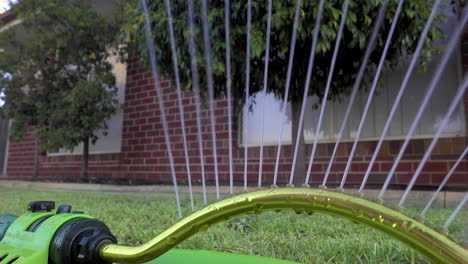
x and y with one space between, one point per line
464 58
67 167
21 157
144 157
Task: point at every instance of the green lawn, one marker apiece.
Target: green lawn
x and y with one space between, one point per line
135 218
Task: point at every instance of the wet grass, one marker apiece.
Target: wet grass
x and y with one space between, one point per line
135 218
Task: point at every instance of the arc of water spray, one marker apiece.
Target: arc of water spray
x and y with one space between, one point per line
344 12
442 184
456 211
438 74
227 7
371 92
179 98
324 102
209 76
265 84
355 89
403 86
453 106
157 86
288 78
247 88
196 88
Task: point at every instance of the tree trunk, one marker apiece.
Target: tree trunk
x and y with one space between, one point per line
84 161
300 169
36 159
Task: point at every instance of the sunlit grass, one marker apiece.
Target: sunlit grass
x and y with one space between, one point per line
135 218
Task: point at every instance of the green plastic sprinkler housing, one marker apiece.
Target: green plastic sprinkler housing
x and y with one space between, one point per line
44 236
41 235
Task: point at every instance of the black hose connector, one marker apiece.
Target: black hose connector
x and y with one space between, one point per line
79 241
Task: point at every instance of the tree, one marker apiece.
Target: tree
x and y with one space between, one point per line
24 111
359 22
61 81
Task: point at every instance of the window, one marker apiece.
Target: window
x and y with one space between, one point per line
273 116
111 142
378 113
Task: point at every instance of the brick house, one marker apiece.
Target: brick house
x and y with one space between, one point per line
135 152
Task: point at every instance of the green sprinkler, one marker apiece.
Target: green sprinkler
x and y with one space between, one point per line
45 236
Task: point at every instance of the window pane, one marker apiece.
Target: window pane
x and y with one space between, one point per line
273 116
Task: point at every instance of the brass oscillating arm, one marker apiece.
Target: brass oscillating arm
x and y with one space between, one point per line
437 247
